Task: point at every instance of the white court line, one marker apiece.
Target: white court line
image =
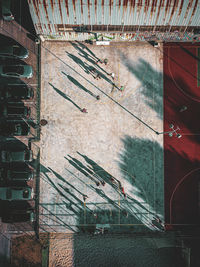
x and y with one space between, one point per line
177 86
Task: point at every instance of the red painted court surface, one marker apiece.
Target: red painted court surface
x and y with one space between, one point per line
182 155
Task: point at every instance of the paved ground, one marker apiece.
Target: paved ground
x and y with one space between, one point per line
114 250
5 246
115 138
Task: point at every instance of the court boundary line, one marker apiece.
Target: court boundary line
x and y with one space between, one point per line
172 77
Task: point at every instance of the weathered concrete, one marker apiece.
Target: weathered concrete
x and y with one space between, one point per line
113 250
111 134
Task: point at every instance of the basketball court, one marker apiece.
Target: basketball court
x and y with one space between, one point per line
181 89
115 138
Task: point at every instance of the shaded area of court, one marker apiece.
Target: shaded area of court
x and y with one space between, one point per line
114 250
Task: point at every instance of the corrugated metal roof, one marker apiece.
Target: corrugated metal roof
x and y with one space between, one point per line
49 15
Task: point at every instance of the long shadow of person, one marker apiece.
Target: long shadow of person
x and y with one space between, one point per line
97 169
80 85
87 169
81 170
95 63
87 68
73 196
57 218
86 48
103 195
79 62
79 207
92 59
75 176
81 165
64 180
65 96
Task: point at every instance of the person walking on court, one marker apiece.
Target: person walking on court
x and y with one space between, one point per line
121 88
85 197
105 61
125 213
103 183
98 76
123 192
99 61
84 110
95 215
112 179
92 69
112 75
183 108
157 219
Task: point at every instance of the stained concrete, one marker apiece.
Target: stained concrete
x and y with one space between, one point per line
116 136
113 250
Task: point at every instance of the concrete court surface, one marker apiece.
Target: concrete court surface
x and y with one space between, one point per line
113 250
79 148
